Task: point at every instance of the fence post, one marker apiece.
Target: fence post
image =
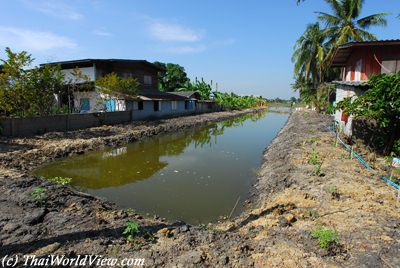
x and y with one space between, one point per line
66 122
12 127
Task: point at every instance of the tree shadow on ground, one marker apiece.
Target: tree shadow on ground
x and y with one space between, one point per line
113 233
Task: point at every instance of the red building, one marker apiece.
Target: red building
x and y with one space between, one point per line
359 61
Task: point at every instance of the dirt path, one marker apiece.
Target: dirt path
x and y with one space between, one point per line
292 199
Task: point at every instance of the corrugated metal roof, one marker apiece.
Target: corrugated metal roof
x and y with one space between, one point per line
93 61
186 94
344 51
351 83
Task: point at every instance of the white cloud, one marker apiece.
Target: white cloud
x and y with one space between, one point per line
101 33
56 9
173 32
32 41
185 49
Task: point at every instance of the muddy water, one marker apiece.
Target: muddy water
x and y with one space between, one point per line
196 175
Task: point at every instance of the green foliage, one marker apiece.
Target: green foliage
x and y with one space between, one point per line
26 91
131 228
232 101
331 189
200 86
314 49
112 84
381 103
172 78
39 196
314 158
60 180
325 236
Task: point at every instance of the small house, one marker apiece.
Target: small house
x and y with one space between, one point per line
359 61
93 101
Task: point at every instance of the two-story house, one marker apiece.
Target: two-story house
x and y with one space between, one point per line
149 102
359 61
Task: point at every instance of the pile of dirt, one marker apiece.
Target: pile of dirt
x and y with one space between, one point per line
307 186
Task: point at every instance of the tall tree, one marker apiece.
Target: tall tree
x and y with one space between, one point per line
345 25
173 77
309 55
26 91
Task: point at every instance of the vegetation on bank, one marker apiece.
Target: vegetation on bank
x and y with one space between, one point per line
315 48
380 103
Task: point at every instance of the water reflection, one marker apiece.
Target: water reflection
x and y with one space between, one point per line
194 175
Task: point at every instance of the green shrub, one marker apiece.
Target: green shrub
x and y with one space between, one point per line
325 236
60 180
131 228
39 195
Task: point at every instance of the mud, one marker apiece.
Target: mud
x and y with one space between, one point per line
290 200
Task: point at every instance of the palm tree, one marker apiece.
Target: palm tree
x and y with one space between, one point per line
344 25
309 55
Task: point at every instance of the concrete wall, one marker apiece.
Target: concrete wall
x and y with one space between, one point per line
343 92
20 127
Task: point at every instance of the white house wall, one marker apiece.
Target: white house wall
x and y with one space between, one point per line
343 92
89 71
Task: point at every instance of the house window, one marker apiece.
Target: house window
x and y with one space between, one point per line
157 106
358 70
140 105
390 66
174 105
84 104
147 80
189 105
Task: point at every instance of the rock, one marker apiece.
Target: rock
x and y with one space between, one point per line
36 216
290 218
283 222
47 249
184 228
165 232
191 257
10 227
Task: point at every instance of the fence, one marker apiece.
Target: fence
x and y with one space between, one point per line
22 127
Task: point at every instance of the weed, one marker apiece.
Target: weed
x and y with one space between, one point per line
394 180
331 189
60 180
311 140
129 210
39 195
311 213
346 156
325 236
131 228
314 158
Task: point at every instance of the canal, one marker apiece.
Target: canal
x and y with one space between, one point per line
197 175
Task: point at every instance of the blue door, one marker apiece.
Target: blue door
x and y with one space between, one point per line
84 104
109 105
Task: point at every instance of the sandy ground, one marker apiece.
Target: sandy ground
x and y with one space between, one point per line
291 199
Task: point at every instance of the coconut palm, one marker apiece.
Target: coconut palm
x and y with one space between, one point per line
309 55
344 25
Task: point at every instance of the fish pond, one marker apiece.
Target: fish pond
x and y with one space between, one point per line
197 175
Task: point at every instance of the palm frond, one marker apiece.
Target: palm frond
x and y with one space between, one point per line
373 20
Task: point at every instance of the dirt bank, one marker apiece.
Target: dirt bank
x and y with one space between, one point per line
291 199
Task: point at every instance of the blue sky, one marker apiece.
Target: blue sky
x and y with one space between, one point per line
245 46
